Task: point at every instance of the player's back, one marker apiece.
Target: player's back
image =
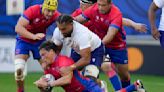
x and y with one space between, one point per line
78 82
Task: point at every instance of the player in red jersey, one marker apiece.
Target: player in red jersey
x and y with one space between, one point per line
31 29
107 20
70 82
84 4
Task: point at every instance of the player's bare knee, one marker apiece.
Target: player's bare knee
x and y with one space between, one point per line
106 66
19 69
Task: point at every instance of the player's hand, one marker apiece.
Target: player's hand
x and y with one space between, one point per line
155 33
38 36
140 27
42 82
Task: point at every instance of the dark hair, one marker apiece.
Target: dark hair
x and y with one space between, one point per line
89 1
63 18
48 45
109 1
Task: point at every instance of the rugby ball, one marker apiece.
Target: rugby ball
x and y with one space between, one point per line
49 77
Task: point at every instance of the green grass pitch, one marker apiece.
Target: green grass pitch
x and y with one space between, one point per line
7 83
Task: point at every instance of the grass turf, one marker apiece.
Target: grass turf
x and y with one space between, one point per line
7 83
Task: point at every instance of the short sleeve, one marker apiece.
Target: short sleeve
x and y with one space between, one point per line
56 38
84 41
76 12
28 13
116 22
159 3
87 14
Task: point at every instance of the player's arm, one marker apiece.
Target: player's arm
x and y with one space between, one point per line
81 18
137 26
65 79
85 16
152 16
114 27
112 31
21 30
85 58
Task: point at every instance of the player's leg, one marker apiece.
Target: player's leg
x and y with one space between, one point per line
162 38
137 85
124 74
120 59
109 69
21 56
20 71
112 75
92 72
97 57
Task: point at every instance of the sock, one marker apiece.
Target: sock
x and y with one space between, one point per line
114 79
20 88
129 88
125 83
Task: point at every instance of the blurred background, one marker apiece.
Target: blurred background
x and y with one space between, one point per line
146 57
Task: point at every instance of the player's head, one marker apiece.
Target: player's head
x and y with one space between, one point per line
65 24
47 51
48 8
91 71
84 4
104 6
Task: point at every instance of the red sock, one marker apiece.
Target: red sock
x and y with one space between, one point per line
20 89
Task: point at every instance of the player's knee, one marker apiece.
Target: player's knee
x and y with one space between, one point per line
19 69
91 70
106 66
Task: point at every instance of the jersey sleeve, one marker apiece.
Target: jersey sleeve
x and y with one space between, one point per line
56 38
76 12
159 3
65 61
84 41
28 13
116 21
87 14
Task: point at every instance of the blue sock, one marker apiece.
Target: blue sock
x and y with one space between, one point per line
125 83
115 82
130 88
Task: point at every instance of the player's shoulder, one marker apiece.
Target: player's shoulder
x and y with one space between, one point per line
115 12
64 60
115 9
35 7
76 12
57 13
80 29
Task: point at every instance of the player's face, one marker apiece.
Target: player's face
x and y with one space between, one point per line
103 6
84 6
48 13
66 29
46 56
